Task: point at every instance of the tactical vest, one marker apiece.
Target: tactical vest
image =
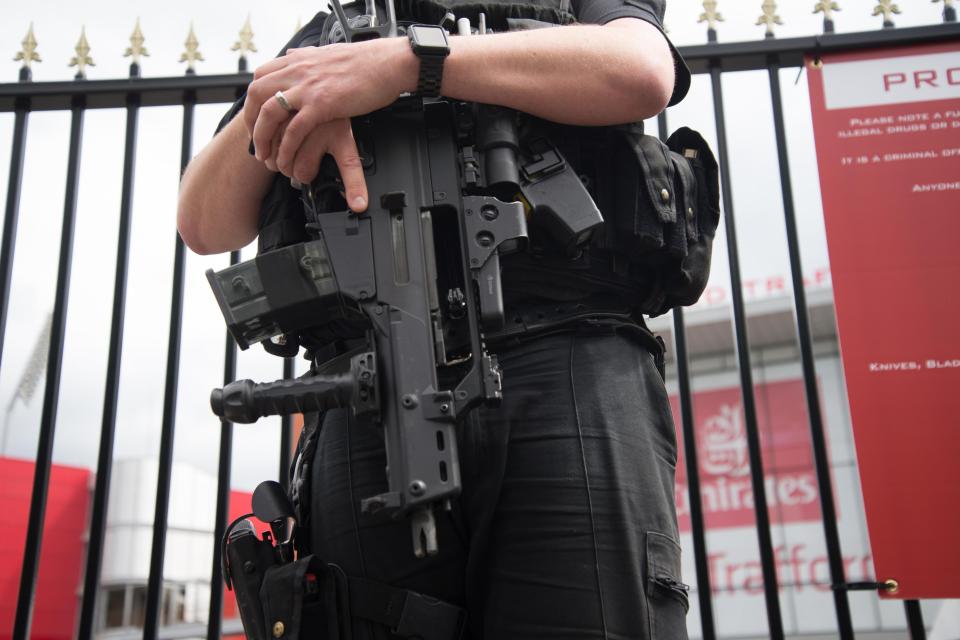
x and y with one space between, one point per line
660 201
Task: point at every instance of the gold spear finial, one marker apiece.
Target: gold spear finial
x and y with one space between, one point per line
887 9
245 43
29 52
192 55
710 14
136 48
769 17
82 59
826 7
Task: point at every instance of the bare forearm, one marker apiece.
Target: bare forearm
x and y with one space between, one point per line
220 193
580 74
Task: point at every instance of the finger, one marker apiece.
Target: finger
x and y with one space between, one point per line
344 151
260 93
300 126
269 67
271 161
271 116
252 103
306 165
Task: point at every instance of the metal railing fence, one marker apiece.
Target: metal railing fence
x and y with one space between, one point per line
136 93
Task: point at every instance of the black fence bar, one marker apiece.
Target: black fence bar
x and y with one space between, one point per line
753 55
915 620
155 579
215 610
12 213
110 94
732 56
697 523
101 493
224 469
688 429
286 433
767 564
824 480
51 394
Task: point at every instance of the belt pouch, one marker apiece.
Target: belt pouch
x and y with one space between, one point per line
305 599
644 202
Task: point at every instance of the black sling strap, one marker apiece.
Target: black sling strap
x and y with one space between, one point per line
407 613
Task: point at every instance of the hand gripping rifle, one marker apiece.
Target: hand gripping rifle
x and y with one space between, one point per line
425 363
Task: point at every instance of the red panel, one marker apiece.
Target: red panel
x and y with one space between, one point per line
57 602
889 162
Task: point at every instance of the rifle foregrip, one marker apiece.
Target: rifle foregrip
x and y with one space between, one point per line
245 402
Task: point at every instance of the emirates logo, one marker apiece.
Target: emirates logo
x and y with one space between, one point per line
725 443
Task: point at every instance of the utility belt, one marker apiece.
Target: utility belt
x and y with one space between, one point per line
531 321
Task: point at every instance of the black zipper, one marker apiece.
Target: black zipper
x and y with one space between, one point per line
674 589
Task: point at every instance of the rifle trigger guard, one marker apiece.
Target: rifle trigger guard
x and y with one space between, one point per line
492 226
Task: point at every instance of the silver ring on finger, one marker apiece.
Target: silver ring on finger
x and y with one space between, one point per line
282 99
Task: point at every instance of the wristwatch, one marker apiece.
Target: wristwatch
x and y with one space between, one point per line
429 43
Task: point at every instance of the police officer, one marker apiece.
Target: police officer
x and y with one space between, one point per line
566 525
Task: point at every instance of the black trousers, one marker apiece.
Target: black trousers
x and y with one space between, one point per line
566 526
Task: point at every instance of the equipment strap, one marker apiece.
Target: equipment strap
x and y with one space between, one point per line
527 320
407 613
279 233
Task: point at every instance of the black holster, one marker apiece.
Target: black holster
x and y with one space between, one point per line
310 598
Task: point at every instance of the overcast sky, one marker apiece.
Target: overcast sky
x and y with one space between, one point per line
108 24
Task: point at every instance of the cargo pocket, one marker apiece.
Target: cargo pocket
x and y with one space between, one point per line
667 596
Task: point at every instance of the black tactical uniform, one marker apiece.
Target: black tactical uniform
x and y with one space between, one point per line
566 526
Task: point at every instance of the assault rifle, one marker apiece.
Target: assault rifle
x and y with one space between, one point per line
450 188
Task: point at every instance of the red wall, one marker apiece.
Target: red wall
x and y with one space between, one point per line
57 602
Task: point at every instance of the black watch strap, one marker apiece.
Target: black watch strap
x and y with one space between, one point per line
431 76
429 43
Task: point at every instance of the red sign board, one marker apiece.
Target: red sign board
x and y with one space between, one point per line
887 129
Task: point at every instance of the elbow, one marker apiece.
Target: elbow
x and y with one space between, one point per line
652 86
189 209
206 226
651 100
218 202
641 94
649 72
660 90
189 227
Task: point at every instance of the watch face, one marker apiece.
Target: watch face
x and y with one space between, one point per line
429 37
